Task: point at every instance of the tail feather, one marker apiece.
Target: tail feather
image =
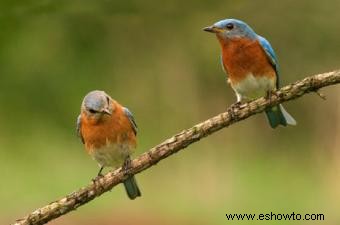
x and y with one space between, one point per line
278 115
131 188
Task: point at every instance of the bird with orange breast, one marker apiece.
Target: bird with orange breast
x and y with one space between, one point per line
250 64
108 131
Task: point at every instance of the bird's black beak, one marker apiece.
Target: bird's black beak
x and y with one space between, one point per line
213 29
209 29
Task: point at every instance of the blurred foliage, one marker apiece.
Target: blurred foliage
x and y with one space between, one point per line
154 58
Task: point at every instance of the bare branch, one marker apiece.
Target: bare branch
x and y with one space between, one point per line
175 144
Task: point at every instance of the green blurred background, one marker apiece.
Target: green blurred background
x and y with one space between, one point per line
153 57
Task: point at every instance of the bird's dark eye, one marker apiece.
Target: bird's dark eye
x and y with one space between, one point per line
229 26
92 111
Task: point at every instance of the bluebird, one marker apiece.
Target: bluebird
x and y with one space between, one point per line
251 65
108 131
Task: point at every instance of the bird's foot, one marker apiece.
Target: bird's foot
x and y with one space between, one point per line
232 107
99 175
100 171
317 90
126 166
269 95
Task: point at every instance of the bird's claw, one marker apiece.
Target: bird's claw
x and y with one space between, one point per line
126 166
99 175
269 95
94 180
232 107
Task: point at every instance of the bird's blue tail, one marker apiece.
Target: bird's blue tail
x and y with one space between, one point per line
131 188
278 115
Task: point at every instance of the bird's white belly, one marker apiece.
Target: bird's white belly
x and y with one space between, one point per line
112 155
253 87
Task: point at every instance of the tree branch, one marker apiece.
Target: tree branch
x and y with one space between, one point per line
175 144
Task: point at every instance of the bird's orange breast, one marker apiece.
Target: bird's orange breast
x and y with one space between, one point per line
241 57
110 129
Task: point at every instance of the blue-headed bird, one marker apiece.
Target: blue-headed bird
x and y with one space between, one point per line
250 64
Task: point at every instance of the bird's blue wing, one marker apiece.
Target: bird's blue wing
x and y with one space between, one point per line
271 56
79 129
132 120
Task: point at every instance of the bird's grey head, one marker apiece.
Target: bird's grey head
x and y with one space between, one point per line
231 28
96 104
